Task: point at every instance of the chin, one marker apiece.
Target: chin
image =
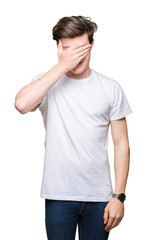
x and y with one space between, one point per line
79 70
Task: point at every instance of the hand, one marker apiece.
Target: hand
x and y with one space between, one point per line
71 57
113 213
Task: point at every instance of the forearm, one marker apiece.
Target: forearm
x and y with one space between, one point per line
121 166
32 94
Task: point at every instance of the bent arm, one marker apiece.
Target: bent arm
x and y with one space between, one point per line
30 96
121 153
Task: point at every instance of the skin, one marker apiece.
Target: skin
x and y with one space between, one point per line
30 96
78 72
114 210
70 52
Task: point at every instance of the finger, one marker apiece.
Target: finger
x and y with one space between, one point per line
119 220
109 224
105 216
60 49
77 46
80 49
80 54
83 56
114 224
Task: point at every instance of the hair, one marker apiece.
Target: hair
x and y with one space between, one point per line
70 27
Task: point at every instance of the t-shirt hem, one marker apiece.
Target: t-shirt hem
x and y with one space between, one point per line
76 198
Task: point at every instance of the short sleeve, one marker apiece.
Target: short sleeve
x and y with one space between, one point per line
42 104
119 105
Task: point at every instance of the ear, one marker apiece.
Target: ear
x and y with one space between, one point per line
92 42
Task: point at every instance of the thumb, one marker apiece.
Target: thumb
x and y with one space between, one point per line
60 49
105 216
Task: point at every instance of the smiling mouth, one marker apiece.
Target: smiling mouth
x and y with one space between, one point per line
81 62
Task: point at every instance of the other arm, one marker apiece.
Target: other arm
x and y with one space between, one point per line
114 210
121 153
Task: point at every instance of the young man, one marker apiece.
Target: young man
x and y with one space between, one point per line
78 104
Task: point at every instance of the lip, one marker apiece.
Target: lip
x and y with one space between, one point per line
80 63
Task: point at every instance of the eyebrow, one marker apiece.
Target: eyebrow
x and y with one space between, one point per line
65 46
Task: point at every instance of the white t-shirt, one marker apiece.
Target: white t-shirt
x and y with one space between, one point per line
76 115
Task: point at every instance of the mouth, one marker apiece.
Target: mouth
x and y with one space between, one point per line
80 63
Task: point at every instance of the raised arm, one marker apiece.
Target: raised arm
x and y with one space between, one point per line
31 95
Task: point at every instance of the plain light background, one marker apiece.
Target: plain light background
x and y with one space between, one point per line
27 48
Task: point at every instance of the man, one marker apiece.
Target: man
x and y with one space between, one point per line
78 104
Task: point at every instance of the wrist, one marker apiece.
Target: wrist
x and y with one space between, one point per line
62 67
121 196
119 190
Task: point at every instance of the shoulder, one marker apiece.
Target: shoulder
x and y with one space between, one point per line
107 83
104 79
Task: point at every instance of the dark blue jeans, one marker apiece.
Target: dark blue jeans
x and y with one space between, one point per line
63 216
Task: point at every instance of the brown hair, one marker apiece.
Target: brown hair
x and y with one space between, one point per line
70 27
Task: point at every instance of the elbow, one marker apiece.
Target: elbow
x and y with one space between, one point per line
20 106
